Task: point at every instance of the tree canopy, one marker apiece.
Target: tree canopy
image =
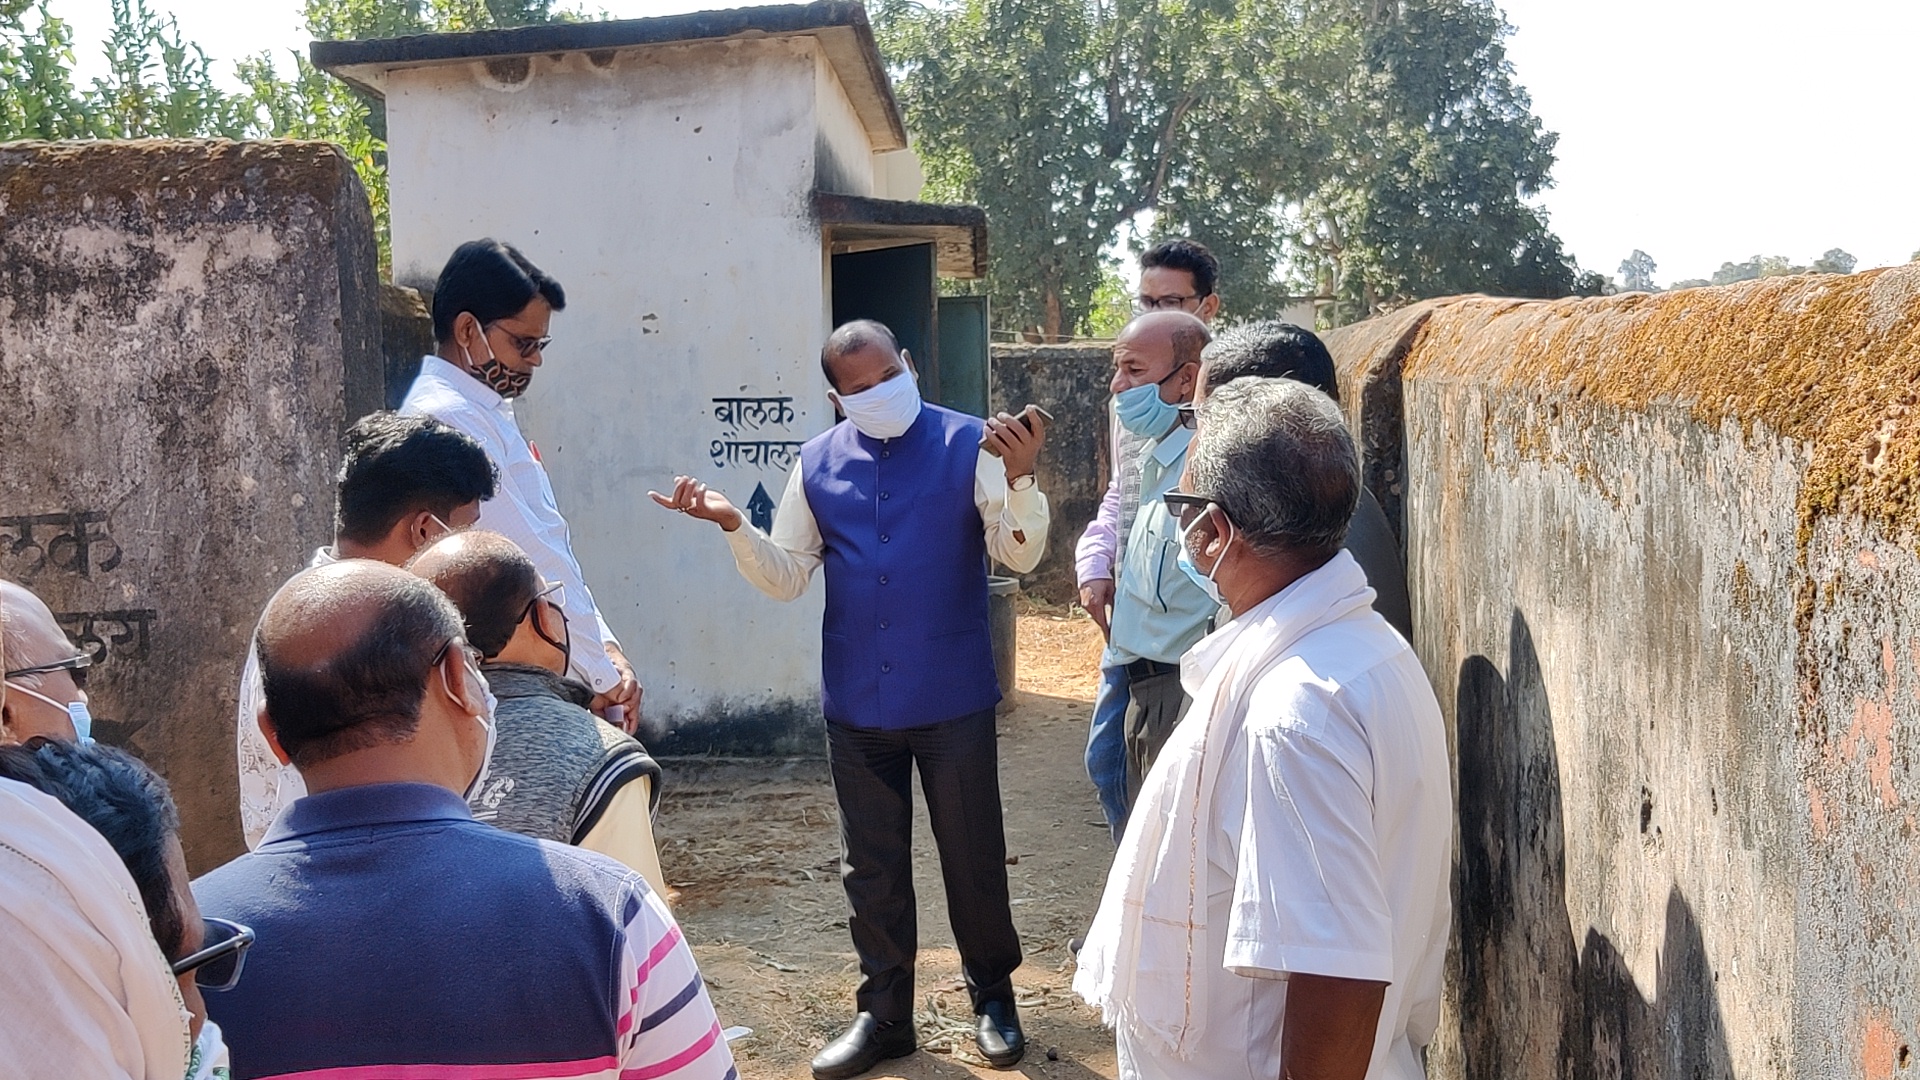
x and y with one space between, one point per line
1363 151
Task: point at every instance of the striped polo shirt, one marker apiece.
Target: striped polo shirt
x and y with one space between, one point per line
398 938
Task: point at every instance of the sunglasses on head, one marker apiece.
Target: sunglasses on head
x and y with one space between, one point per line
216 966
75 667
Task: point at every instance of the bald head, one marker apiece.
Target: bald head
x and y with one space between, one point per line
32 635
487 577
345 654
1173 334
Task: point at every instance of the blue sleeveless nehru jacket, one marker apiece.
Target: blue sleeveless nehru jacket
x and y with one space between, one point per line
904 642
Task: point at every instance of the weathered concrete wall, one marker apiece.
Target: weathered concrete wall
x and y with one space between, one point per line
1069 381
672 202
1660 550
185 329
406 335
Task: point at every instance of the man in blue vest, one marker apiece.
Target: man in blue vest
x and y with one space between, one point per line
903 504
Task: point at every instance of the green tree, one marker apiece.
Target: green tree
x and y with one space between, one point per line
1434 155
1759 266
37 96
1373 152
1835 261
1636 272
160 85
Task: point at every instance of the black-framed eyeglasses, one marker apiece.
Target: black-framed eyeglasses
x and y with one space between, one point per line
441 653
1170 302
75 667
1185 506
217 964
526 346
1188 415
555 594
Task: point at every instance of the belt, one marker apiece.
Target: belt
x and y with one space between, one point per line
1147 669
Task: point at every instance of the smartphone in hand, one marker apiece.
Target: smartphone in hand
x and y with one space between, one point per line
1025 419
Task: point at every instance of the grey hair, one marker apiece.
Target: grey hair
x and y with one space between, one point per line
1275 455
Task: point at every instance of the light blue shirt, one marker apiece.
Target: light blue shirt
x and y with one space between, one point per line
1158 612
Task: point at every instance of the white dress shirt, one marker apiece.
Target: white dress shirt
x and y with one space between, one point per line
266 786
523 510
781 564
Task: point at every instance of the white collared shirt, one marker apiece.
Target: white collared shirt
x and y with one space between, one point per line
781 564
1328 833
523 510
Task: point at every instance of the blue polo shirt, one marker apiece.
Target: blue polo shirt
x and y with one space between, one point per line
396 935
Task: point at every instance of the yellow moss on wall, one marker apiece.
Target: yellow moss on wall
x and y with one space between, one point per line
1831 362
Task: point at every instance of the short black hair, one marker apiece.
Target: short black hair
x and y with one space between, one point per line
492 582
1271 350
493 281
1192 256
398 465
124 801
367 692
850 338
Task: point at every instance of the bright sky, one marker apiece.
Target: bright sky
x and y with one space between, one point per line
1702 131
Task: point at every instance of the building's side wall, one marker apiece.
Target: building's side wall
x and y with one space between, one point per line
185 328
1662 552
668 191
843 155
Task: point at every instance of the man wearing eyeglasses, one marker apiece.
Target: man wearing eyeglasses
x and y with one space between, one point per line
1157 611
1175 275
558 773
491 311
130 806
46 673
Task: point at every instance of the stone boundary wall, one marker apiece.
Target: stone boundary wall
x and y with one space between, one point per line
1662 551
186 327
1069 381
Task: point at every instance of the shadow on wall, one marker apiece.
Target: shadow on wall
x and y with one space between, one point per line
1531 1003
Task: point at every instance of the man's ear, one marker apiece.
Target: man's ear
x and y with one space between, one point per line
273 737
1209 307
906 358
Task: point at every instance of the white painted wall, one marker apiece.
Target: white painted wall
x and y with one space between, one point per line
668 193
845 162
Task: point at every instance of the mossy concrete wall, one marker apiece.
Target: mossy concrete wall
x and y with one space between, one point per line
1069 381
1662 551
185 330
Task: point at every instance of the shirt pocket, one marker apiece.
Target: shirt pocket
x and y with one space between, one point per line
1146 573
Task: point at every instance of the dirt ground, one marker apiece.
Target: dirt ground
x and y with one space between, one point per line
751 851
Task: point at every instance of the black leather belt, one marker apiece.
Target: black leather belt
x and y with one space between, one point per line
1147 669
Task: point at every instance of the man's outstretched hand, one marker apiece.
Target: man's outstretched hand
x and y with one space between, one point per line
695 499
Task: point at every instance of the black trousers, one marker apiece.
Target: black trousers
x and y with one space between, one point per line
873 783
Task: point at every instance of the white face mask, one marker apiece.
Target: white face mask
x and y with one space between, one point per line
493 737
209 1060
885 411
76 712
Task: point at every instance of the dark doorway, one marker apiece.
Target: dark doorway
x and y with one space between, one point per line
895 286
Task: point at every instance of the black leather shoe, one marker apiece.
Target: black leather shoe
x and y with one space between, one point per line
865 1043
999 1037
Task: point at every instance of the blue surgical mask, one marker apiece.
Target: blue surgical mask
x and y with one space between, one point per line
77 712
1204 580
1142 411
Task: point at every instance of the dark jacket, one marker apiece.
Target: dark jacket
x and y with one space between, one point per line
556 766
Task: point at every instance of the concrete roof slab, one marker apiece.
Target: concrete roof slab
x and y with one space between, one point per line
841 26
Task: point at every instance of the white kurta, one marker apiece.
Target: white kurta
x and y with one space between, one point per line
1304 826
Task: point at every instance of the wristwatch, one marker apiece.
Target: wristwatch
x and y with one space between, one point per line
1020 483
